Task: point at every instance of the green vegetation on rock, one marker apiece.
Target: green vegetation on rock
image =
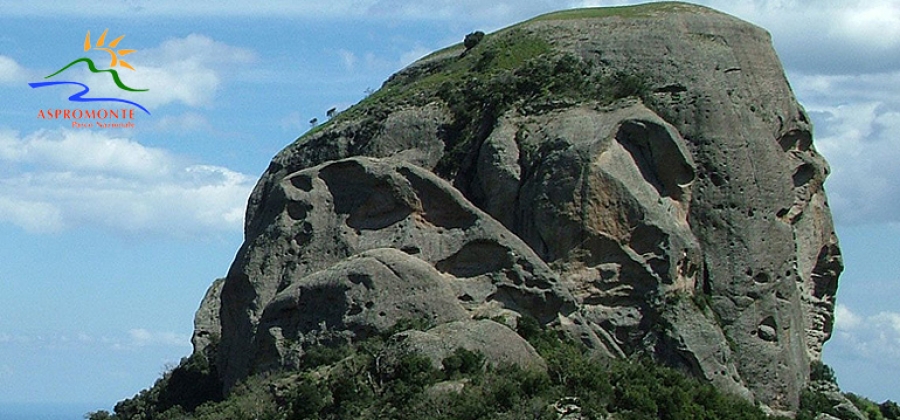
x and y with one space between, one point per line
512 68
350 382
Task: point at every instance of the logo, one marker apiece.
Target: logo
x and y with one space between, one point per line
116 61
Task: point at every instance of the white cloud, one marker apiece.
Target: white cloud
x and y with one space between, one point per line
87 151
835 36
187 70
11 72
54 180
144 338
821 89
846 320
856 120
872 23
199 48
456 10
34 217
873 337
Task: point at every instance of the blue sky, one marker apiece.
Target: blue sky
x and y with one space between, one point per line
111 236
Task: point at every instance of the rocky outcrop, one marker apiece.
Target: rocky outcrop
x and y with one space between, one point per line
498 343
207 327
356 245
641 178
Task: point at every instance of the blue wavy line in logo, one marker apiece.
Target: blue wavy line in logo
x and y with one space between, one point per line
79 97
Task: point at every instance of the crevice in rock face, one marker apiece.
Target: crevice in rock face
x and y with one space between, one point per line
542 305
302 237
651 243
361 278
439 208
369 201
796 139
825 274
298 210
302 182
761 278
803 174
706 286
379 211
328 302
657 157
476 258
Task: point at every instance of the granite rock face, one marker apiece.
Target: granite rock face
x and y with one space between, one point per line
357 245
641 177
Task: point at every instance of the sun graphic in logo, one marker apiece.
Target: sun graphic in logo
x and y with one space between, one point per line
116 61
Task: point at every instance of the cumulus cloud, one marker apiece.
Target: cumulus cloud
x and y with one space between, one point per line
875 24
11 72
856 120
54 180
835 37
86 151
187 70
33 216
871 337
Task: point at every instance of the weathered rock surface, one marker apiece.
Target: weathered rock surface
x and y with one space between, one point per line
499 344
207 327
642 178
355 245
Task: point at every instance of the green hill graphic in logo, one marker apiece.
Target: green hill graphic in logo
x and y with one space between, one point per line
115 61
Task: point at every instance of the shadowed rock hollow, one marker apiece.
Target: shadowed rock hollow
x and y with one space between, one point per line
640 177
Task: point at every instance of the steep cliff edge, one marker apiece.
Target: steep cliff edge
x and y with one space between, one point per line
639 177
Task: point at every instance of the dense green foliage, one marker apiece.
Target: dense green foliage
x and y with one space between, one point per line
351 382
819 371
194 382
818 399
813 403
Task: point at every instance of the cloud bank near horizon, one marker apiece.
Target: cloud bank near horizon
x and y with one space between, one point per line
58 180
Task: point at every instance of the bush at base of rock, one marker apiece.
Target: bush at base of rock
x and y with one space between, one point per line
466 388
